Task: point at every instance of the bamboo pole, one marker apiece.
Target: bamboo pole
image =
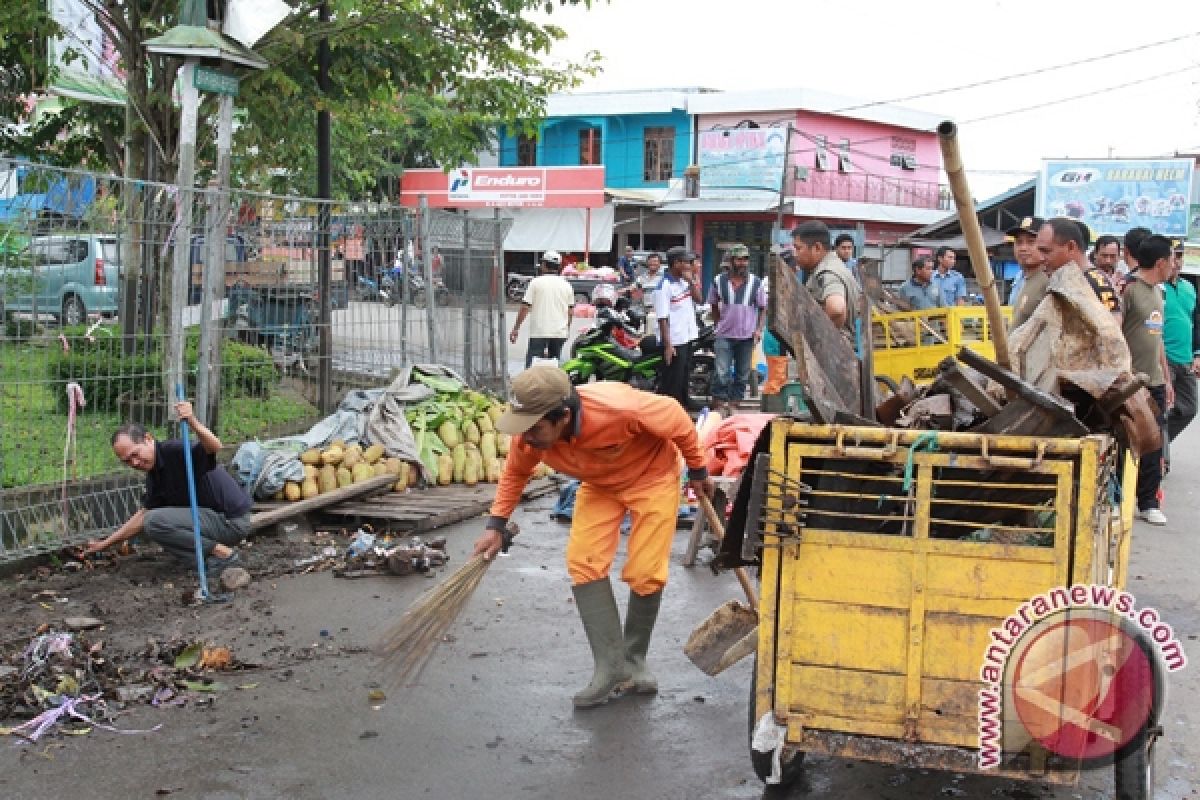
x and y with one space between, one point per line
952 161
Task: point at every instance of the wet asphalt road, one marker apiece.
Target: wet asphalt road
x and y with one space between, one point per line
491 716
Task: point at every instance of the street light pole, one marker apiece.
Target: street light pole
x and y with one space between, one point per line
324 195
185 178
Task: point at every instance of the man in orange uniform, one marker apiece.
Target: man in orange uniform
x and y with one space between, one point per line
624 445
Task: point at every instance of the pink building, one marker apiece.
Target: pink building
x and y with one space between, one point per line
871 171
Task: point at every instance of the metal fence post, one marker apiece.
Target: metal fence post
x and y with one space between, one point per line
208 359
502 300
427 263
468 308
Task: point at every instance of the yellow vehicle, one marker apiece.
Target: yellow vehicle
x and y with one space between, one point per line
878 603
913 343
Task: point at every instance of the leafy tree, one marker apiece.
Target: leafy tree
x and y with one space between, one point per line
413 82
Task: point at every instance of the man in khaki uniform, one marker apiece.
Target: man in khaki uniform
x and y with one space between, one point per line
1143 328
1033 287
831 283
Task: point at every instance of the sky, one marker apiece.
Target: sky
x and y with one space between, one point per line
875 50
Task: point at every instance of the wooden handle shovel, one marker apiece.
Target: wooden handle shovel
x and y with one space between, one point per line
731 632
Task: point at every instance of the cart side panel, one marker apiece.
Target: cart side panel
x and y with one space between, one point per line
886 631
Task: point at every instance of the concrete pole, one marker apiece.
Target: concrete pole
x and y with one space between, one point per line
185 179
208 378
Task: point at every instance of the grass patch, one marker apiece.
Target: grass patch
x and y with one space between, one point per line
33 426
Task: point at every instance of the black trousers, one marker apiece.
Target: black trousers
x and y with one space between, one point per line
1184 410
673 381
1150 465
543 348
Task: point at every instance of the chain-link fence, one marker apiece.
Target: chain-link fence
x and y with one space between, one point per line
88 299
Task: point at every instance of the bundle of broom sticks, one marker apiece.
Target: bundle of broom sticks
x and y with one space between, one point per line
408 645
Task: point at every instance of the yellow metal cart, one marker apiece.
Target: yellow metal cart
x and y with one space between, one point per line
876 609
913 343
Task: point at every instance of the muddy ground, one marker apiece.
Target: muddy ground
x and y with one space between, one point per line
490 717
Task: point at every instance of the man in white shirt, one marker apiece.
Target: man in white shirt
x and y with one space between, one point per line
550 301
675 307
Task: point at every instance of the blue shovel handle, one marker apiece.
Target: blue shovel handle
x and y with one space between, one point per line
191 484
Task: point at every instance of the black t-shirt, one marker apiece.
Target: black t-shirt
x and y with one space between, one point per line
166 484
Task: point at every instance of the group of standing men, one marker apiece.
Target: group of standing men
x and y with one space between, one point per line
935 283
1138 280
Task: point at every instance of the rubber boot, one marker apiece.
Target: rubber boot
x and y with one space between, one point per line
602 623
639 625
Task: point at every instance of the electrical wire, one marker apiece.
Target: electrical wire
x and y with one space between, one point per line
1019 75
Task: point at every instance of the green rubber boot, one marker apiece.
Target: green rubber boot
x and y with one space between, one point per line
639 625
602 623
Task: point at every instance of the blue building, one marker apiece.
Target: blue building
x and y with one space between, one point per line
642 138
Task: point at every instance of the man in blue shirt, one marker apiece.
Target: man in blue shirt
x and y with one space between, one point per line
920 290
843 245
951 285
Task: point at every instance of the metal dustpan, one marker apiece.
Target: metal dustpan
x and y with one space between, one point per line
729 625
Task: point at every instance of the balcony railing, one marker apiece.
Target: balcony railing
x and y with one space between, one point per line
862 188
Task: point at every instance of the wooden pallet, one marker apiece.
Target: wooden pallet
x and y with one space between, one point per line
424 510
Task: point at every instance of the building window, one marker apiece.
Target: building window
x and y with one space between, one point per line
526 150
822 153
658 163
589 147
844 164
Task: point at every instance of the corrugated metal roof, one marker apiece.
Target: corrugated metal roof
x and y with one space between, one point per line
811 100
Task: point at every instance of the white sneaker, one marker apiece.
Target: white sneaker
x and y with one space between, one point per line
1153 516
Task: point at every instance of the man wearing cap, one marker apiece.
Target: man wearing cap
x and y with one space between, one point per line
738 300
675 309
624 445
1181 339
1028 295
550 300
831 284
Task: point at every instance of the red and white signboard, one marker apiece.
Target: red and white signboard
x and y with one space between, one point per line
505 187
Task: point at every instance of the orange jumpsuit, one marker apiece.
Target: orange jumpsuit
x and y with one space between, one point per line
624 448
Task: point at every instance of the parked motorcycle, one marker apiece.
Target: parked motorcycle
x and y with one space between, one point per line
515 286
366 289
598 355
391 289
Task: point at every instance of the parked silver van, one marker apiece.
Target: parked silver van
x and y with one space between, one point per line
76 274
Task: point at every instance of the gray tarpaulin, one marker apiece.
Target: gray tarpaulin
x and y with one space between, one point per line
385 423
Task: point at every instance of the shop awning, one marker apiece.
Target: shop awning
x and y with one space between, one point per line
863 212
716 205
635 197
567 229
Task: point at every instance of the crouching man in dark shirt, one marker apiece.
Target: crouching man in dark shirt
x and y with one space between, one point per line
166 516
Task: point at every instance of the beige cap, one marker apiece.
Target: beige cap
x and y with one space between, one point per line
535 392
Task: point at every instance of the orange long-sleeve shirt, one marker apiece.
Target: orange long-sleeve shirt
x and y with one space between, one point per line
623 437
